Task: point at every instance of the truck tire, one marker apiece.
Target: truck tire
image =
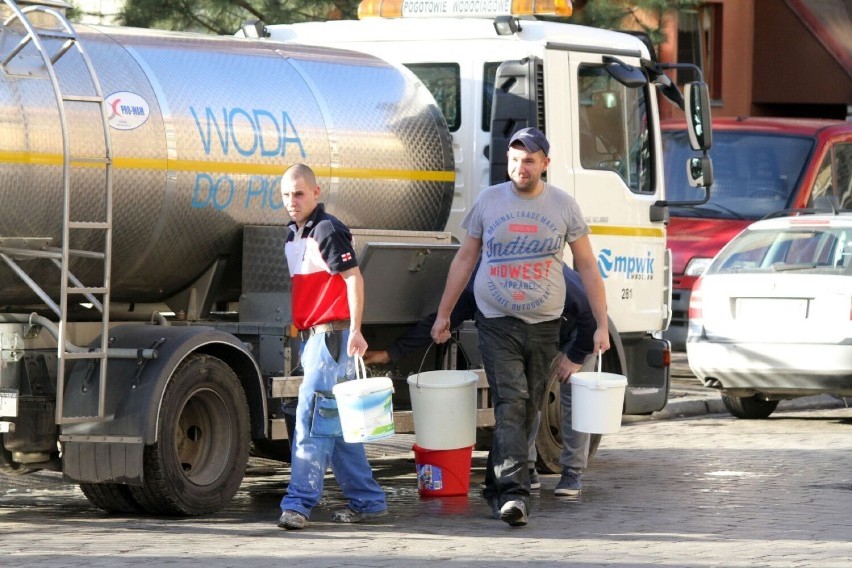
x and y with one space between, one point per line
548 441
749 407
110 497
202 446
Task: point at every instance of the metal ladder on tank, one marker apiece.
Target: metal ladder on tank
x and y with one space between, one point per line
70 285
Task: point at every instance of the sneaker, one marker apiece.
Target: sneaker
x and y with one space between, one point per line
514 513
348 515
535 482
570 484
292 520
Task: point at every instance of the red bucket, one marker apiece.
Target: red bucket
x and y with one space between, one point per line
442 473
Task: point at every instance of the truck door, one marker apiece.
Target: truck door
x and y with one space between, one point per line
602 122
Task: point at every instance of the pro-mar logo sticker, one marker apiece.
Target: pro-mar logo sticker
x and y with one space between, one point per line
126 110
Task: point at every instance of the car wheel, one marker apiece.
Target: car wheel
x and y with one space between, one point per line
749 407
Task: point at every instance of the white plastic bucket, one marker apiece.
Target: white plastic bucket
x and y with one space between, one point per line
365 407
444 406
596 402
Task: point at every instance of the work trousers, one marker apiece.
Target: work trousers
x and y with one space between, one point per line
312 455
516 356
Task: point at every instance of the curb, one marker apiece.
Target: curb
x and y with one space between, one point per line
707 405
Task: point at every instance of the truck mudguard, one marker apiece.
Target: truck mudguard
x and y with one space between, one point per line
112 450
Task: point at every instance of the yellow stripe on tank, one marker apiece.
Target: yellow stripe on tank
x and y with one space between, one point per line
226 167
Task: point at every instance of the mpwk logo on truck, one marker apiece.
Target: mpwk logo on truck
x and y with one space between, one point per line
633 267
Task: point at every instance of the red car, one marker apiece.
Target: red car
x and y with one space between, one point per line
760 165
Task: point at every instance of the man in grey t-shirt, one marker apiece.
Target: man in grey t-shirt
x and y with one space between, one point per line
520 228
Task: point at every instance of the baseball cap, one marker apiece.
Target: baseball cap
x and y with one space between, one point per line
532 139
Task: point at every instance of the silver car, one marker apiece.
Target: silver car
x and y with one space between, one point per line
771 318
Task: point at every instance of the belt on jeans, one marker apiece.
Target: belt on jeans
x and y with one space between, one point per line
327 327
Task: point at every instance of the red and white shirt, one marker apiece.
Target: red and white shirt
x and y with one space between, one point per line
316 255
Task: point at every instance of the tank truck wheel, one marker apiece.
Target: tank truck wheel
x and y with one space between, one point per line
548 442
749 407
111 497
202 446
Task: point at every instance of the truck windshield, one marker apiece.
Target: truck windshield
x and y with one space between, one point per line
754 174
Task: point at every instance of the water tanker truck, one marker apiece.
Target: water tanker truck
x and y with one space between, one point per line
146 345
139 182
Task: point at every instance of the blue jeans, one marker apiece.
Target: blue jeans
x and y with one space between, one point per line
516 356
311 455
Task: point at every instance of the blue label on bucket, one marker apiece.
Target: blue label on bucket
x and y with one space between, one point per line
429 477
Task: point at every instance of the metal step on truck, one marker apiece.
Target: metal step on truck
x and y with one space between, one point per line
145 331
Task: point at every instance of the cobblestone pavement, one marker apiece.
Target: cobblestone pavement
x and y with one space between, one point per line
706 490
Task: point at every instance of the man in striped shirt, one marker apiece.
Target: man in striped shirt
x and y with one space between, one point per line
327 302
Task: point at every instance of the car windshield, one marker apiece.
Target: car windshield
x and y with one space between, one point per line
820 250
754 174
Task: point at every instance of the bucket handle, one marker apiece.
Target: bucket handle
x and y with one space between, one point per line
360 368
423 360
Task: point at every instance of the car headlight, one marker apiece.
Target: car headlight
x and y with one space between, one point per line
697 266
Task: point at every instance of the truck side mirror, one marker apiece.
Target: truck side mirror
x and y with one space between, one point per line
698 116
699 171
628 75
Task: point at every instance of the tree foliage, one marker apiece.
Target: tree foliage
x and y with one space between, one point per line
648 16
224 17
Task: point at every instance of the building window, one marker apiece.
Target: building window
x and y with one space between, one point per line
699 41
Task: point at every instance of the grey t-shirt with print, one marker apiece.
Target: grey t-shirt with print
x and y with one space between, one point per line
522 243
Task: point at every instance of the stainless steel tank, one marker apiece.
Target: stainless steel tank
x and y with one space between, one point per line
202 128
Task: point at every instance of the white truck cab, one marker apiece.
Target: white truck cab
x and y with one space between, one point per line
586 88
